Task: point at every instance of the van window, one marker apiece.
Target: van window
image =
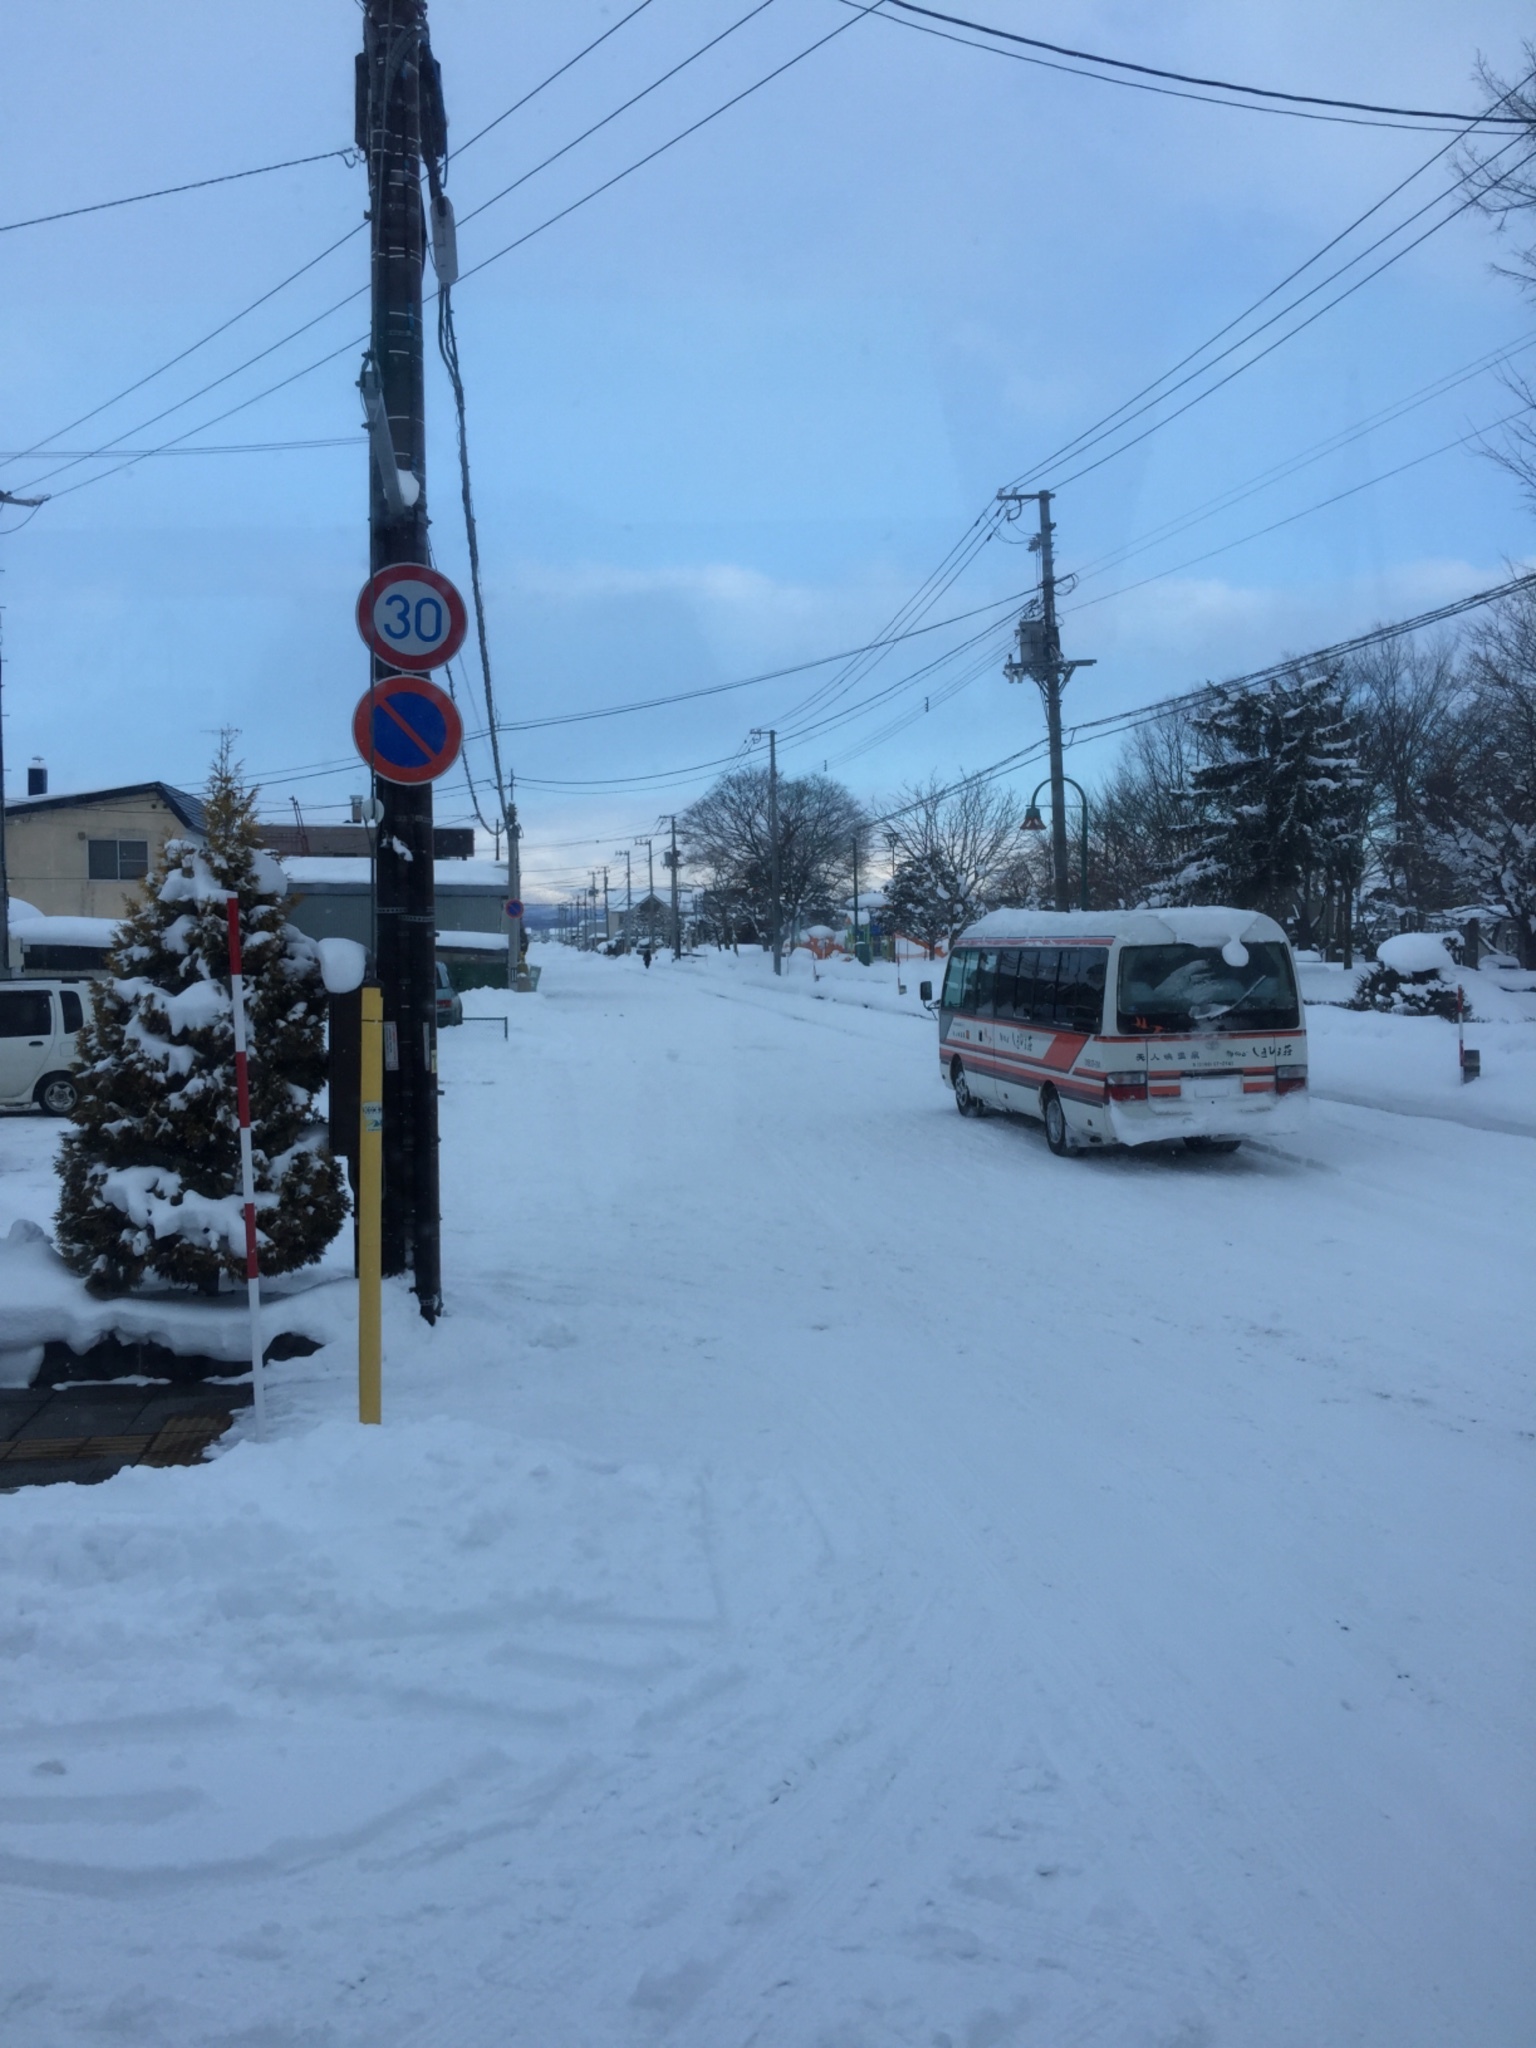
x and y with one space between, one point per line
1003 983
69 1001
986 974
25 1013
1189 988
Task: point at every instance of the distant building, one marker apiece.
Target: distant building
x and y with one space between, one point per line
330 896
82 855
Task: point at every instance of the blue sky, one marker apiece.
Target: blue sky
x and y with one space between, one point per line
727 416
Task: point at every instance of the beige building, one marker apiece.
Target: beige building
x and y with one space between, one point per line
82 856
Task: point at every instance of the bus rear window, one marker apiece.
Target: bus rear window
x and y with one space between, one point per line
1196 988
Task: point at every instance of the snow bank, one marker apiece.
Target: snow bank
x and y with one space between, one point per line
42 1301
1417 953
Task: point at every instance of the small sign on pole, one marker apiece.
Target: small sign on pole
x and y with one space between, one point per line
407 729
411 616
247 1165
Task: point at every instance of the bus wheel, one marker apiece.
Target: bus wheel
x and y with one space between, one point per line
1057 1135
1211 1144
965 1101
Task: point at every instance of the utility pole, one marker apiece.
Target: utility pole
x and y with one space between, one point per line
629 898
1039 658
643 839
6 498
775 883
514 884
669 859
398 97
855 895
607 921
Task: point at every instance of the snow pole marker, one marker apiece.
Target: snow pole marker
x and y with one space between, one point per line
370 1182
247 1163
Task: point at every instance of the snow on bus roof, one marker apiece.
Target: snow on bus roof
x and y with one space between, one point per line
1195 924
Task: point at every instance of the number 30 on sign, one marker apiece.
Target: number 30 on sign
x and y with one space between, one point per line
412 616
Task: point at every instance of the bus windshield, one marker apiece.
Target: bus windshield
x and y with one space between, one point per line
1196 988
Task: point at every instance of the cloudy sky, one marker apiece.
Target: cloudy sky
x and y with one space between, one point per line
729 415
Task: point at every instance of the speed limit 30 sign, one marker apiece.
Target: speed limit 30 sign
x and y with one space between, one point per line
412 616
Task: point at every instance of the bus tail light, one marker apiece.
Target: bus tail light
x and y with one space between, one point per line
1125 1087
1289 1079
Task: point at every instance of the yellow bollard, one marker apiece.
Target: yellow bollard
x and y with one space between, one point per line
370 1189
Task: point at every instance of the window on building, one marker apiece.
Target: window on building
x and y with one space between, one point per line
118 860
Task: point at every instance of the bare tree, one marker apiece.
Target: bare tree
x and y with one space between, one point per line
950 852
1410 704
727 840
1493 831
1498 173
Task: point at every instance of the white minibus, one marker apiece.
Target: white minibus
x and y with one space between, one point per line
1130 1027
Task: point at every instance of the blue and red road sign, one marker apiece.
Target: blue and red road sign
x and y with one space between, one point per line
407 729
411 616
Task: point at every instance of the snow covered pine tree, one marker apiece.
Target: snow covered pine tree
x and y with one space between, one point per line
151 1176
1279 798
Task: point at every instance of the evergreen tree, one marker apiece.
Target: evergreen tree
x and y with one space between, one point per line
1279 799
151 1175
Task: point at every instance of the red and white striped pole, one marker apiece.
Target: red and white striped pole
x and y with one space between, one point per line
247 1165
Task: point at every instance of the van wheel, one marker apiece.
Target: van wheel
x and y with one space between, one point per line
1211 1144
56 1093
965 1101
1057 1135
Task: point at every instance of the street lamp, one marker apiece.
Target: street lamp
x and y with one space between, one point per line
1033 822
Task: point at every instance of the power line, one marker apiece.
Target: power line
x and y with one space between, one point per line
1337 497
1278 472
559 72
563 213
1253 92
329 250
623 108
165 191
214 448
1290 333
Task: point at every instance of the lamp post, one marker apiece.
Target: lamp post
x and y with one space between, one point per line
1033 822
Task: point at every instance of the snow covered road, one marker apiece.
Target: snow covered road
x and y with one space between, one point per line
839 1577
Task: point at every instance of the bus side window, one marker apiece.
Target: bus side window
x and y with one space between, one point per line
954 981
1003 985
1044 1008
1024 987
1068 987
986 973
1093 966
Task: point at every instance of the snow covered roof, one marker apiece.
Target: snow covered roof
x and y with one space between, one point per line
472 942
1199 924
186 807
62 931
315 870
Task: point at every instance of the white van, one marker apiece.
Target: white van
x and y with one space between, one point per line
38 1022
1127 1027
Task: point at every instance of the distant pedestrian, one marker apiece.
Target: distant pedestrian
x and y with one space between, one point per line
645 955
